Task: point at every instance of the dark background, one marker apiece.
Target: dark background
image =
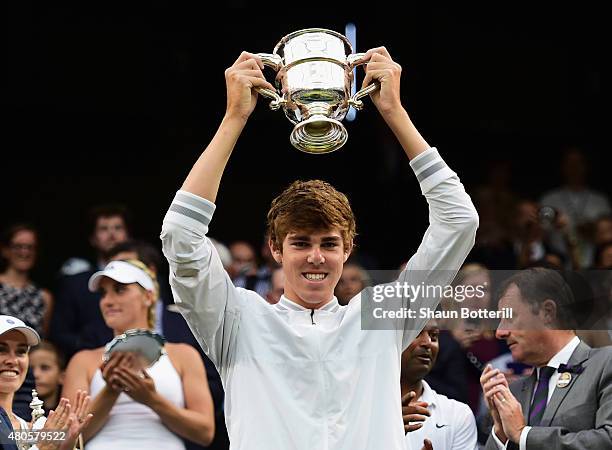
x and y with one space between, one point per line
114 103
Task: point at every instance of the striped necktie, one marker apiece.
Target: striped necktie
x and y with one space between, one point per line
540 398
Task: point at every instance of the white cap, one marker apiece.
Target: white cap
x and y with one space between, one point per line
123 272
8 323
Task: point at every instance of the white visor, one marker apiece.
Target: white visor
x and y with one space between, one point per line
123 272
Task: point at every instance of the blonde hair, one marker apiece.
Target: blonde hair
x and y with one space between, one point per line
151 309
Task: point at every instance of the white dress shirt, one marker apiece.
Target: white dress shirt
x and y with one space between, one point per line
302 379
451 425
560 358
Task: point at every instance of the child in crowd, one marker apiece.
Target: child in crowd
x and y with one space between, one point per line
48 365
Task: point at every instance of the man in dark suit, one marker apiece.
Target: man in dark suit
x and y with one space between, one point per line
567 401
77 322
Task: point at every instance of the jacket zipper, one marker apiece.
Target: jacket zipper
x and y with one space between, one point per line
312 316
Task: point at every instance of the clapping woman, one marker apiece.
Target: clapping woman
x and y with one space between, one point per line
133 407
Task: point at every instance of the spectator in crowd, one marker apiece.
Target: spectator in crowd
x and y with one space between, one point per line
16 338
603 230
353 280
578 201
567 400
251 276
244 262
48 366
19 296
150 256
476 339
277 287
109 225
495 202
536 236
447 423
75 324
170 323
133 407
603 256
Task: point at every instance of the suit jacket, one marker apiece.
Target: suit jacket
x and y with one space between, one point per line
77 322
578 416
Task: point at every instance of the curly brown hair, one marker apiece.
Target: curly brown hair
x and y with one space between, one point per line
310 206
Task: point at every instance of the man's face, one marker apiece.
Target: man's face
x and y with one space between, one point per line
312 263
350 284
243 259
277 286
606 257
420 356
109 232
525 332
603 231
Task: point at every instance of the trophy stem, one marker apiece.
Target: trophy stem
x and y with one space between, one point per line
318 134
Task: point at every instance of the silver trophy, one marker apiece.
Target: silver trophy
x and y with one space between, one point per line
314 80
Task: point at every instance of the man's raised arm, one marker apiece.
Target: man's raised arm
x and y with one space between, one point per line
453 220
202 289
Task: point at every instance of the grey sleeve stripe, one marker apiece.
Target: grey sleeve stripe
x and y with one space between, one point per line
431 170
194 202
190 213
424 160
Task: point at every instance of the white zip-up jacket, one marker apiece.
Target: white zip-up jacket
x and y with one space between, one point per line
298 379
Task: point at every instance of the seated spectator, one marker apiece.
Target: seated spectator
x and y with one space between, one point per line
278 286
48 365
168 320
19 296
475 336
495 201
602 230
603 256
109 226
578 201
245 271
447 423
244 261
75 324
16 338
353 280
137 408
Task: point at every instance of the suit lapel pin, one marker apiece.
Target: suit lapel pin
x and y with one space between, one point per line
564 379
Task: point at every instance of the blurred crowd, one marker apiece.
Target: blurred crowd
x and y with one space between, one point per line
569 228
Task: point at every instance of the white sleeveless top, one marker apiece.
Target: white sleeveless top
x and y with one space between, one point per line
134 426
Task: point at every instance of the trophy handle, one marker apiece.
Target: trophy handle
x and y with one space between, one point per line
275 62
354 60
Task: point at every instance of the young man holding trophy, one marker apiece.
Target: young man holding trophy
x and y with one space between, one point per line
302 373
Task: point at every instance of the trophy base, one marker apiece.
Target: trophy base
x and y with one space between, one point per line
318 134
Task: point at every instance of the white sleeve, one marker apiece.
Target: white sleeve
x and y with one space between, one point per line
498 443
453 221
202 289
465 435
523 438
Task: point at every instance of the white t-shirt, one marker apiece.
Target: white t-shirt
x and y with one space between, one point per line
301 379
451 425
